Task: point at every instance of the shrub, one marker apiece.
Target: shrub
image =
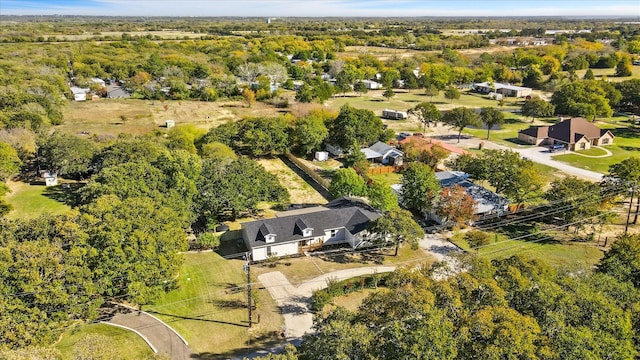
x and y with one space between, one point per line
477 238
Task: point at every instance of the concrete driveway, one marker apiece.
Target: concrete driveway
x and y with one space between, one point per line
543 156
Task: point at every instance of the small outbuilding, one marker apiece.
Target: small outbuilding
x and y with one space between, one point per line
169 124
50 178
321 156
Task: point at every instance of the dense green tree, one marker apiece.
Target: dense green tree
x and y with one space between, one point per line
382 197
354 126
129 150
360 88
630 92
217 152
461 117
582 98
578 198
622 261
628 172
426 113
491 117
452 93
420 187
264 136
66 154
589 75
388 93
309 133
397 226
347 182
227 190
624 67
9 161
536 108
135 246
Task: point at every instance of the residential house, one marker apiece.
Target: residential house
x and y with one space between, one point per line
575 134
372 85
79 94
342 221
504 89
383 153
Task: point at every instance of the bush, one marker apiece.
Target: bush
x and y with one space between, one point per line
319 299
207 240
477 238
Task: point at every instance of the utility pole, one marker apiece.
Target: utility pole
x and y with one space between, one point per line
247 269
633 190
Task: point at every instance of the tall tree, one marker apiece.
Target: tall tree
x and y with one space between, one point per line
491 117
309 133
452 93
628 171
66 154
461 117
353 126
382 196
536 108
455 205
9 161
398 226
347 182
420 187
426 113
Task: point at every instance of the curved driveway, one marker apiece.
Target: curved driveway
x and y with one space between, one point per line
163 338
543 156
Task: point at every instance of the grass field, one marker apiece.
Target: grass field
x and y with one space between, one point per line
351 301
299 190
507 135
626 144
132 116
564 254
209 308
128 344
30 201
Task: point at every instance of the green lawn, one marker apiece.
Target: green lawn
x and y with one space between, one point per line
387 179
626 144
128 344
30 201
507 135
209 308
564 254
592 152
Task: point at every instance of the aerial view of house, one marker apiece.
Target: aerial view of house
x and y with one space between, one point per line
574 134
342 221
504 89
383 153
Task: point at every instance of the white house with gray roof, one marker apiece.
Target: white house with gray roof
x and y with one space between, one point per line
504 89
342 221
383 153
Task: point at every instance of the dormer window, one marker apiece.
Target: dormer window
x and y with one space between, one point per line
301 228
270 238
265 234
306 232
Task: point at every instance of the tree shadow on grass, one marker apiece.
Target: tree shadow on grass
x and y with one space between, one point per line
69 194
260 343
517 141
195 317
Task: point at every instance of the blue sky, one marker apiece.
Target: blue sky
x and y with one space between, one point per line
338 8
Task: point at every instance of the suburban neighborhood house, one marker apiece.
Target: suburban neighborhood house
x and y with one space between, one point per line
504 89
574 134
383 153
342 221
425 143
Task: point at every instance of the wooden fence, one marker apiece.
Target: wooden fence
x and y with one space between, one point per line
309 171
379 170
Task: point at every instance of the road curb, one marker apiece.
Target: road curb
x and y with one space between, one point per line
136 332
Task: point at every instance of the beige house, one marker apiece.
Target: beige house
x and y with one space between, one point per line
573 134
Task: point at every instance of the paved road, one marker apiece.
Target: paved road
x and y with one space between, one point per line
158 333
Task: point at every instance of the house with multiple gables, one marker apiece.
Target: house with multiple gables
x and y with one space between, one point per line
574 134
504 89
342 221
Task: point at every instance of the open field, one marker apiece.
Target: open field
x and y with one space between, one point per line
609 74
626 144
31 201
128 344
299 190
132 116
300 269
385 53
566 254
209 308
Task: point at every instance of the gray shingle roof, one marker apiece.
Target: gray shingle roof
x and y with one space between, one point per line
352 214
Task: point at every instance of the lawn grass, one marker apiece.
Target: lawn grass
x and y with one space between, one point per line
130 346
626 144
300 191
209 308
592 152
350 301
387 179
29 201
507 135
561 254
301 269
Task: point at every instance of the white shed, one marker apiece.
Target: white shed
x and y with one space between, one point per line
321 156
50 179
169 124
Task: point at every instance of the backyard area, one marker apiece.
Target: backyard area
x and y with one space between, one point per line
209 308
128 344
30 201
299 190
